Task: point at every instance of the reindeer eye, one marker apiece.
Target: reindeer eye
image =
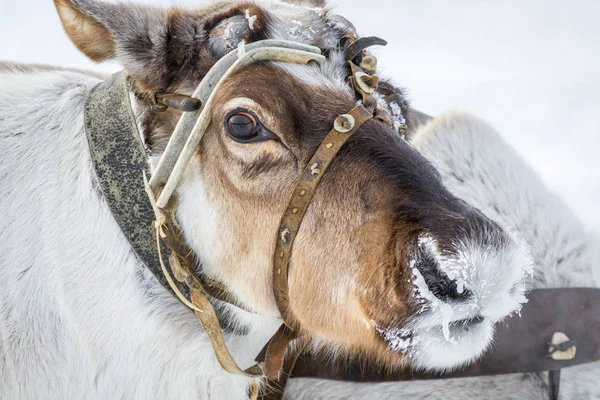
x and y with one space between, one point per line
242 126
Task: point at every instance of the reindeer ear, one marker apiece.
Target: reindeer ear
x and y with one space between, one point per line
89 36
159 48
135 35
104 31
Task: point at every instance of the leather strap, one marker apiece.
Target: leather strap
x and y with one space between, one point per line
299 202
178 101
198 302
276 352
275 388
208 318
120 160
360 44
276 369
183 256
521 342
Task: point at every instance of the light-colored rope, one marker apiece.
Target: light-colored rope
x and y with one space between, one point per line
199 303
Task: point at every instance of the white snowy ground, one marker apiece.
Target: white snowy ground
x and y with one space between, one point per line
530 67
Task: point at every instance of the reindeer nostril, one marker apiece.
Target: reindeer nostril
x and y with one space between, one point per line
438 283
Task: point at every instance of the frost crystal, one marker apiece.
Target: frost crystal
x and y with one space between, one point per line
294 30
300 31
398 339
251 19
423 292
241 49
456 269
446 311
397 112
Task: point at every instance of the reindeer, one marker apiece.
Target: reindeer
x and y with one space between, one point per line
388 264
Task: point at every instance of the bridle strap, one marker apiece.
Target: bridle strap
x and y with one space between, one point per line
198 301
359 45
276 387
183 260
276 352
344 127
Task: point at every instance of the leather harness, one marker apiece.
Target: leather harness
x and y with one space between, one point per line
145 212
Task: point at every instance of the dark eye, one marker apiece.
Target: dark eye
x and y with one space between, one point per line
242 126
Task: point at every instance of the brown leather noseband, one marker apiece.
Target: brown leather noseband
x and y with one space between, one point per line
344 127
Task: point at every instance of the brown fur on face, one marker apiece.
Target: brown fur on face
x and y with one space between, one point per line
342 269
351 265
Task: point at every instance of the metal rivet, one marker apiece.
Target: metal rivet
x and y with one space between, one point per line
369 64
302 192
561 347
281 254
279 271
314 169
295 210
344 123
366 83
372 81
329 145
285 235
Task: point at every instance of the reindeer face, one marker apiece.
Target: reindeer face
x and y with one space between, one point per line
387 263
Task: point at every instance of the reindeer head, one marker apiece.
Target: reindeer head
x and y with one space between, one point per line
387 263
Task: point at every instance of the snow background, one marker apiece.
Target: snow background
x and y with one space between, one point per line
531 68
